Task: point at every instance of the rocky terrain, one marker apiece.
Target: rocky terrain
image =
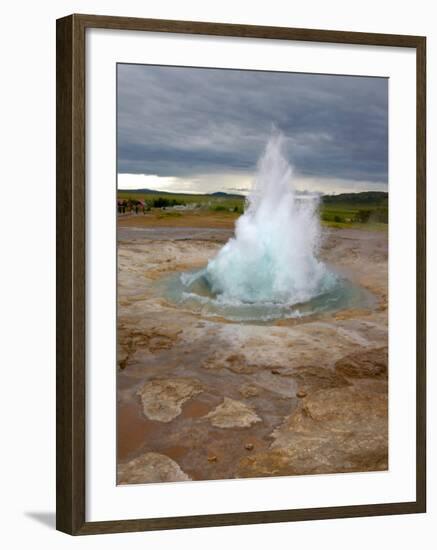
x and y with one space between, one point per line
204 398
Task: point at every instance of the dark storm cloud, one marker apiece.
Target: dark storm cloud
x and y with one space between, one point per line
183 122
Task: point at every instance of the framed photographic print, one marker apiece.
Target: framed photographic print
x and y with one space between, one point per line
240 274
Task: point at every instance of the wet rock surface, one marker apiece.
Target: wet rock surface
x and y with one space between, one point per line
204 398
311 378
248 390
149 468
364 364
334 430
233 414
163 399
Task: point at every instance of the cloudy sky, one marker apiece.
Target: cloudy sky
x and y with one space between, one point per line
202 130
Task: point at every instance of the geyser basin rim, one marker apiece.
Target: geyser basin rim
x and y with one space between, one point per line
269 269
343 295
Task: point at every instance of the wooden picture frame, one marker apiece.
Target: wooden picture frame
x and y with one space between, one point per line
71 253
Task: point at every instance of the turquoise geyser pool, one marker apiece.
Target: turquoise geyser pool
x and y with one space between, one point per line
270 268
192 290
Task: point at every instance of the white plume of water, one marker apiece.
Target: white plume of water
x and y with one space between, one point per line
273 257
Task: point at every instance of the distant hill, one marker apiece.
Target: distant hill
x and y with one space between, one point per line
149 192
364 197
217 194
226 195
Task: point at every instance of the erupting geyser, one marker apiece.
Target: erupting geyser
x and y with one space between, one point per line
270 269
273 256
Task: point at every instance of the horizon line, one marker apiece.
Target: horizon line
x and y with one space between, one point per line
148 189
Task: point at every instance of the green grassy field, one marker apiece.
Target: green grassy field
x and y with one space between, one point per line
203 201
360 210
369 209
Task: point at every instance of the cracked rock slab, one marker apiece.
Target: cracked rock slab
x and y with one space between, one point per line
364 364
150 468
335 430
162 400
249 390
233 414
312 378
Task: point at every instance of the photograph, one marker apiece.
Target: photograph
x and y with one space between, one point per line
252 273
